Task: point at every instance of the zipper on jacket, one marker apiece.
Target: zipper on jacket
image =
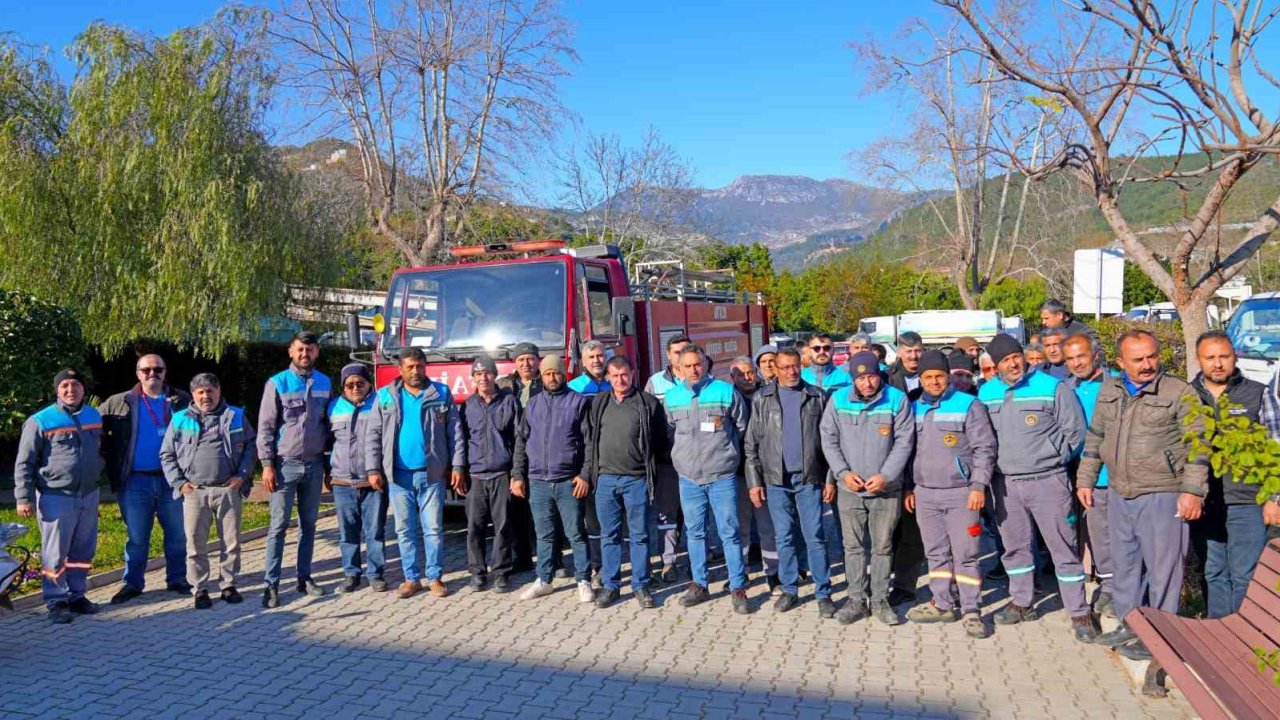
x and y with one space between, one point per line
1168 459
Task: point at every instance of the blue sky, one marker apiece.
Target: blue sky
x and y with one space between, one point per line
737 87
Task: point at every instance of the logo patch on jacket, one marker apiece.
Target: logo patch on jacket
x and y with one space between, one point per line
1032 420
885 430
950 439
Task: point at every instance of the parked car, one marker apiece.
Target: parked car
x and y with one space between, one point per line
1255 332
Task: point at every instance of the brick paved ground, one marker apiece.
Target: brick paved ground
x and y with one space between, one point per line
485 655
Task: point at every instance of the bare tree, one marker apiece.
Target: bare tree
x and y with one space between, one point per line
638 198
958 111
1147 79
438 96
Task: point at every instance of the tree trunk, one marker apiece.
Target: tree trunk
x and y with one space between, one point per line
967 298
1195 321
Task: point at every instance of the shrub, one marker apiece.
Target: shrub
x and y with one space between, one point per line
37 340
1173 349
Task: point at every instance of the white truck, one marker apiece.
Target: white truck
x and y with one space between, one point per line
941 328
1254 330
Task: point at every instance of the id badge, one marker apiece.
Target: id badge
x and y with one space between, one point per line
708 427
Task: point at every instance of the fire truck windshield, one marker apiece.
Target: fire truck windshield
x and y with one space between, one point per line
478 307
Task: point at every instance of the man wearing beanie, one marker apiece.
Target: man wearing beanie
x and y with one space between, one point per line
489 421
362 509
56 480
955 457
765 360
1039 427
868 433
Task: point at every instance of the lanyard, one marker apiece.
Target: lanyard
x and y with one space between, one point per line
164 411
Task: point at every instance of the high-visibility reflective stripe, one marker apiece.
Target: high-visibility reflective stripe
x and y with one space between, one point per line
768 554
78 565
1020 571
966 580
1105 576
941 574
1071 578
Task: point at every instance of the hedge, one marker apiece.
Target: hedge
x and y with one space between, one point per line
37 340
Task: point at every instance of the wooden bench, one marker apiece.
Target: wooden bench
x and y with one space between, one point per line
1213 662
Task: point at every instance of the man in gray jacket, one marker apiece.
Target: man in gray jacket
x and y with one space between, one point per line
362 510
208 456
868 432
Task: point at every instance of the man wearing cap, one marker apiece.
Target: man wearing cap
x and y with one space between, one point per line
414 442
1039 427
362 510
955 457
133 426
524 382
208 456
547 467
968 346
490 418
787 478
765 359
292 434
908 547
822 372
666 492
56 480
868 433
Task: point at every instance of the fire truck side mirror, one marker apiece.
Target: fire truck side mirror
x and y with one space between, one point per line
624 316
353 331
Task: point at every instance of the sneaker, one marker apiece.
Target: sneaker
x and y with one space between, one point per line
773 582
182 588
536 590
931 613
408 589
60 614
885 613
1134 650
997 572
378 584
973 625
645 598
586 593
606 597
826 608
230 596
740 604
83 606
1114 639
901 597
1105 606
1084 629
695 595
477 583
202 600
1012 614
501 584
350 584
124 595
670 575
271 596
307 586
437 588
852 612
786 602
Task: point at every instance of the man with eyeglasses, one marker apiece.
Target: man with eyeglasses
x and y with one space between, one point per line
133 427
821 372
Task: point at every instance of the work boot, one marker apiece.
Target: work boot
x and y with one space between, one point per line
973 625
536 590
408 589
645 598
695 595
1134 650
501 584
853 611
182 588
826 608
740 604
885 613
307 586
785 602
378 584
83 606
350 584
271 596
124 595
1104 606
1116 638
1084 629
898 596
1012 614
230 596
60 614
606 597
477 583
931 613
202 600
437 588
670 575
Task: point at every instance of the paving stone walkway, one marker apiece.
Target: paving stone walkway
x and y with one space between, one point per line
481 655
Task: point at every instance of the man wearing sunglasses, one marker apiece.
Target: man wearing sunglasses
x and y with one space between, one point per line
133 426
822 372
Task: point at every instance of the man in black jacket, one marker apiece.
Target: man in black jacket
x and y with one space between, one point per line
1231 534
627 436
787 468
908 548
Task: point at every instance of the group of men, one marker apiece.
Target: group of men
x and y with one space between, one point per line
896 466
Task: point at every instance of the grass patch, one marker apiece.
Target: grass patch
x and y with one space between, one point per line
112 536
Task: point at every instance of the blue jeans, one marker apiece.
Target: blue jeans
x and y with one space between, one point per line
295 479
796 509
616 495
1236 536
144 499
362 514
418 502
552 501
720 497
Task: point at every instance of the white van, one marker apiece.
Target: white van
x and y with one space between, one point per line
1255 333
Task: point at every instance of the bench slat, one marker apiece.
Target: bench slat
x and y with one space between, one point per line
1270 556
1226 669
1233 656
1246 633
1264 581
1262 610
1191 687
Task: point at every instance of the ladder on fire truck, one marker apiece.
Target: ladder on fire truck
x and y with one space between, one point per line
670 280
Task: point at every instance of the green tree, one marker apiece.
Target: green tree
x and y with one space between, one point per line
145 197
1016 298
1139 289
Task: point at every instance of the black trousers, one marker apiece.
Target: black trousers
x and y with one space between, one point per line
908 553
488 501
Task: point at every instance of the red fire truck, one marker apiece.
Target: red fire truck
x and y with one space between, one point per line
557 298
